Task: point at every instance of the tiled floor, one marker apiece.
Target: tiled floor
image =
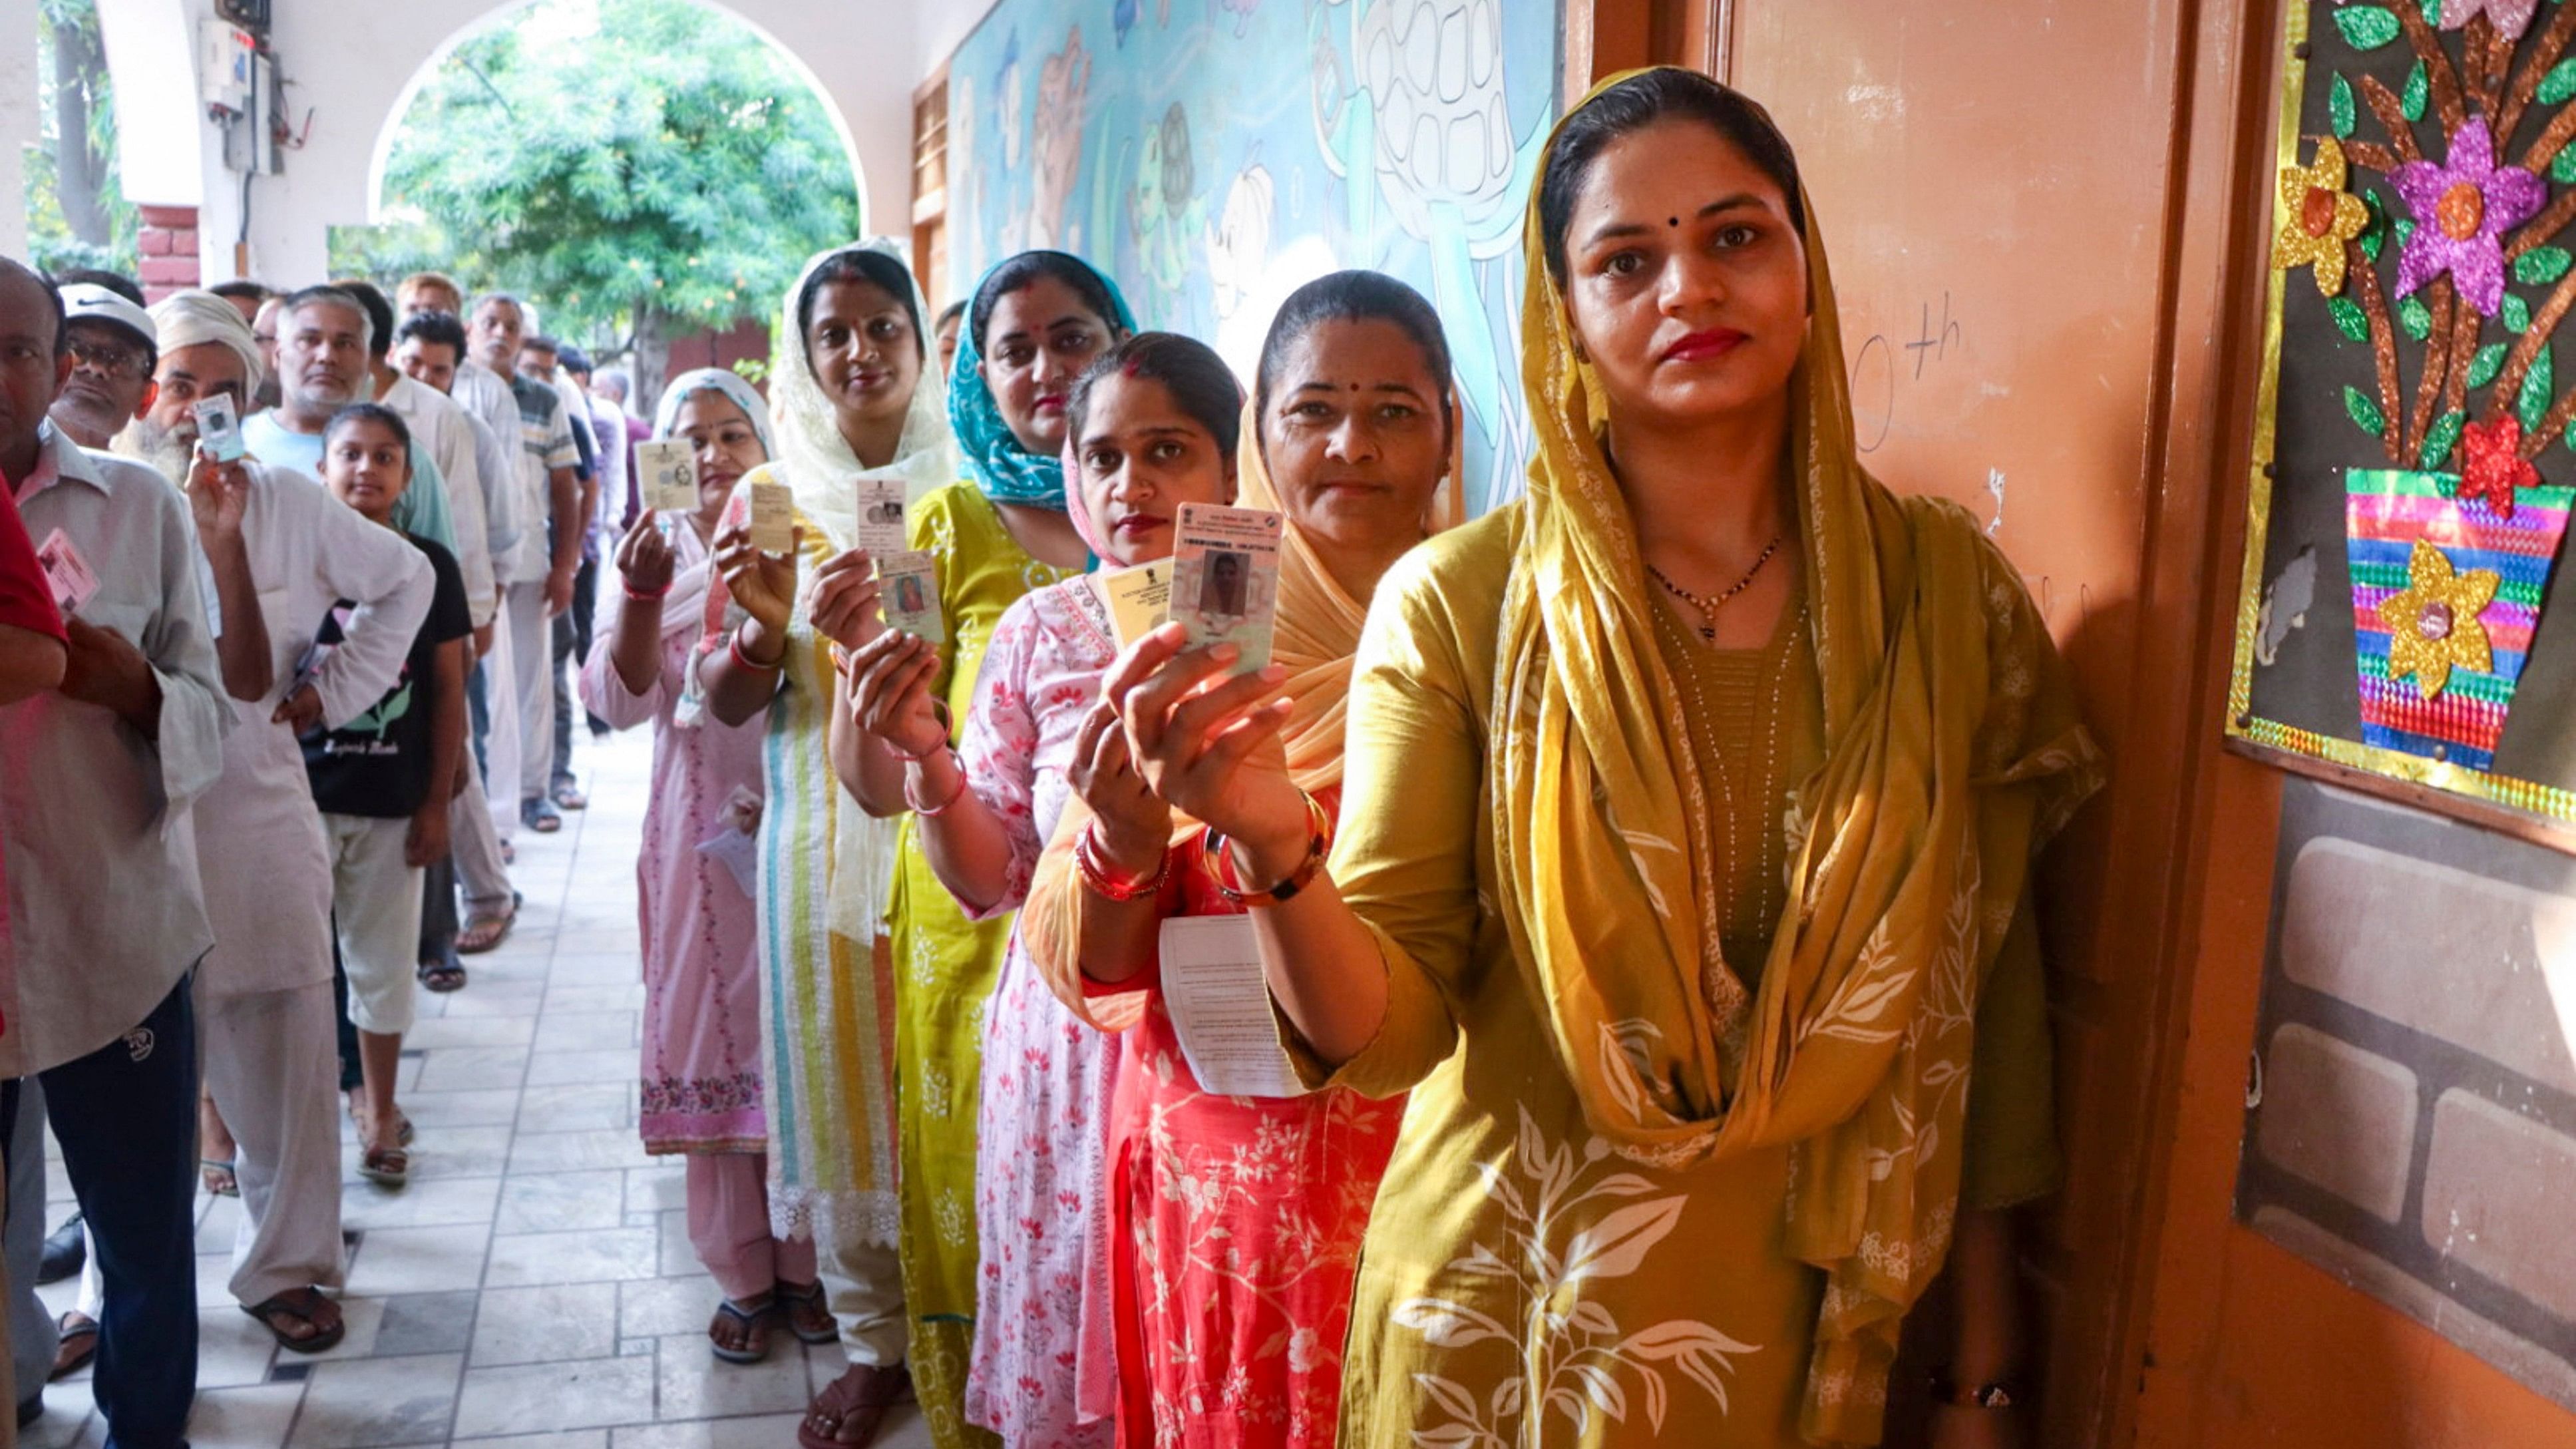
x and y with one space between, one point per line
533 1287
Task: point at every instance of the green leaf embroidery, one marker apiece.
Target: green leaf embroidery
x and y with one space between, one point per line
2366 27
2374 235
2348 318
2432 12
2363 411
2532 403
2415 317
2562 167
2441 438
2340 113
2484 366
2418 88
2559 84
2516 313
2540 265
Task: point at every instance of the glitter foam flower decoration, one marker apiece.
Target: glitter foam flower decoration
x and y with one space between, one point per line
2510 17
2433 624
2323 217
2462 208
2493 464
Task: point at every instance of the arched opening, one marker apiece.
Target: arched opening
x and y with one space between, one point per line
650 172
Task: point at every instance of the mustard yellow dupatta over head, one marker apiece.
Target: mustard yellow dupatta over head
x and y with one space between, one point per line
1952 752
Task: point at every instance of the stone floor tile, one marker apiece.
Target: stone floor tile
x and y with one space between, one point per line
586 1031
652 1189
556 1068
431 1201
241 1418
661 1307
526 1398
556 1202
478 1107
419 1260
542 1325
468 1068
378 1401
693 1385
579 1106
428 1322
588 1257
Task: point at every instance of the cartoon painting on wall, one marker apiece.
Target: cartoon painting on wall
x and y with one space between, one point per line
1170 145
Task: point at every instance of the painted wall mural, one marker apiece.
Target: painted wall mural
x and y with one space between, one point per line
1214 156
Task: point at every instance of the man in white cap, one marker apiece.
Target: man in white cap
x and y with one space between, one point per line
113 352
96 781
264 994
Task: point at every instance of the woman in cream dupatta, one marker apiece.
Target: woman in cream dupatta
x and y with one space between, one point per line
1685 927
853 397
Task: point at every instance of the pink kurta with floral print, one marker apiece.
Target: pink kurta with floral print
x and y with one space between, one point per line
1043 1375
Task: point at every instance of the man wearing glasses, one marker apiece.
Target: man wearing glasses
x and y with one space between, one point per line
113 349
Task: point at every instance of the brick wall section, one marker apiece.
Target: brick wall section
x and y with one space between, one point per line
165 247
2341 1118
2496 1198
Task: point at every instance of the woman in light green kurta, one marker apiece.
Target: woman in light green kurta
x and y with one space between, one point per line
1688 816
1037 320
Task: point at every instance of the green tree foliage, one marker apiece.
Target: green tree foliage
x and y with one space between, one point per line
77 215
668 173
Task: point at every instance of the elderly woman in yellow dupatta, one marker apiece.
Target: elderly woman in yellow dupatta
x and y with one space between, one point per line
1237 1221
1688 813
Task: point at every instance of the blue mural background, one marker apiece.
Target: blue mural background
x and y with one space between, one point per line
1214 155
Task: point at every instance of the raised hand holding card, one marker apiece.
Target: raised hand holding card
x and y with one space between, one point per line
1225 579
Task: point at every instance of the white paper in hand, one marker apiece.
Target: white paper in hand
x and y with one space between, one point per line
1220 1008
881 529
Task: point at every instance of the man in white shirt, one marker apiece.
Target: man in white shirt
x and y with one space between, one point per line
264 993
106 910
538 579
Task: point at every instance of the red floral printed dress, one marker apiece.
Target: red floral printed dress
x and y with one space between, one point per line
1237 1231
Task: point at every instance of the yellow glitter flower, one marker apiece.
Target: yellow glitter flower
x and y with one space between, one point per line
2433 625
2323 217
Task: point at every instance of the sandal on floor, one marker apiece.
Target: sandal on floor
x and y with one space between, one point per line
218 1176
442 978
77 1346
482 933
386 1167
754 1321
858 1398
807 1317
568 796
286 1307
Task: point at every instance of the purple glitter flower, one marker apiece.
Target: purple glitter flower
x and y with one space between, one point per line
2461 208
2510 17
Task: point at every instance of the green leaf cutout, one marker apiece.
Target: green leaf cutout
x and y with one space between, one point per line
2439 439
2562 167
2559 84
2415 317
2484 367
2348 318
2432 12
2538 387
2341 114
2375 234
2366 27
2419 88
2364 413
2569 437
2540 266
2516 313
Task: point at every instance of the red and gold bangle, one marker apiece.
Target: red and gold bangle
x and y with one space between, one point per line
746 661
647 596
1106 883
1319 844
913 799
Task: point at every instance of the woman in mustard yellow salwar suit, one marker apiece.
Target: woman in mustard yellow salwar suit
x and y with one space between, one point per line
1682 859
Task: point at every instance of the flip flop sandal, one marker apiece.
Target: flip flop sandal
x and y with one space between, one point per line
440 977
78 1345
483 933
569 797
875 1390
793 1296
755 1331
386 1167
278 1307
230 1186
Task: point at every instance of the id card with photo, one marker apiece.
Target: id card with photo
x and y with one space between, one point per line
66 572
881 521
911 596
668 474
773 518
1133 601
1225 579
219 427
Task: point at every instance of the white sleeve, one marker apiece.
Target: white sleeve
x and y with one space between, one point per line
389 582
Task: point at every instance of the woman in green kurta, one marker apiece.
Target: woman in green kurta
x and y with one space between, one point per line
1036 321
1689 808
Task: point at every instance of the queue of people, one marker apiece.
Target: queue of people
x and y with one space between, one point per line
1632 882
